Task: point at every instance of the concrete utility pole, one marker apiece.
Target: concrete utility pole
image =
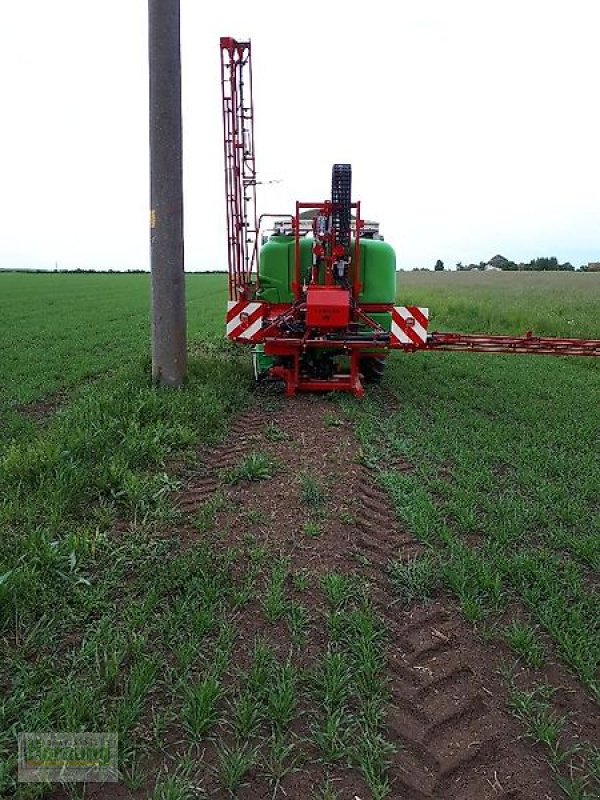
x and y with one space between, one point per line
169 351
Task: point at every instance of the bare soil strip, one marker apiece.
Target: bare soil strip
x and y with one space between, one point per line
447 716
41 411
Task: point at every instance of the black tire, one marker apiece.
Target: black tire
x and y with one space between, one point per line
372 368
341 195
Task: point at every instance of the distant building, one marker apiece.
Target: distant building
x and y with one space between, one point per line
593 266
498 262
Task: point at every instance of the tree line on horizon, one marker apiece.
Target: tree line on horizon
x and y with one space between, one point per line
540 264
84 271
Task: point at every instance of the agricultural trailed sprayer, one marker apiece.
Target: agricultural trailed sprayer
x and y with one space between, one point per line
317 301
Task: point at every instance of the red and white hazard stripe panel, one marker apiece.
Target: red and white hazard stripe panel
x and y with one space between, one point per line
409 325
244 320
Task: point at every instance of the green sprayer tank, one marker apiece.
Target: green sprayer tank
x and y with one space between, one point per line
377 272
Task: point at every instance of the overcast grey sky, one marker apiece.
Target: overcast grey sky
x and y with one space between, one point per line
473 126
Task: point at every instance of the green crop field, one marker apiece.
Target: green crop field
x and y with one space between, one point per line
60 330
106 624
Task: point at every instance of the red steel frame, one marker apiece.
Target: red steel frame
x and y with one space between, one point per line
240 164
327 207
287 346
294 347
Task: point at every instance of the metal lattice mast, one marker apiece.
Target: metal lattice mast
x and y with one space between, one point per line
240 165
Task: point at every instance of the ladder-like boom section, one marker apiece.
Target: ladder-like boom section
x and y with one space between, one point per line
549 346
240 165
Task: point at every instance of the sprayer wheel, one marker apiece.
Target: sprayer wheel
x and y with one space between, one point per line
372 368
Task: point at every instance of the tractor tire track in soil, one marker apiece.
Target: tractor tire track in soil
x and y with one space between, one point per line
455 740
205 481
